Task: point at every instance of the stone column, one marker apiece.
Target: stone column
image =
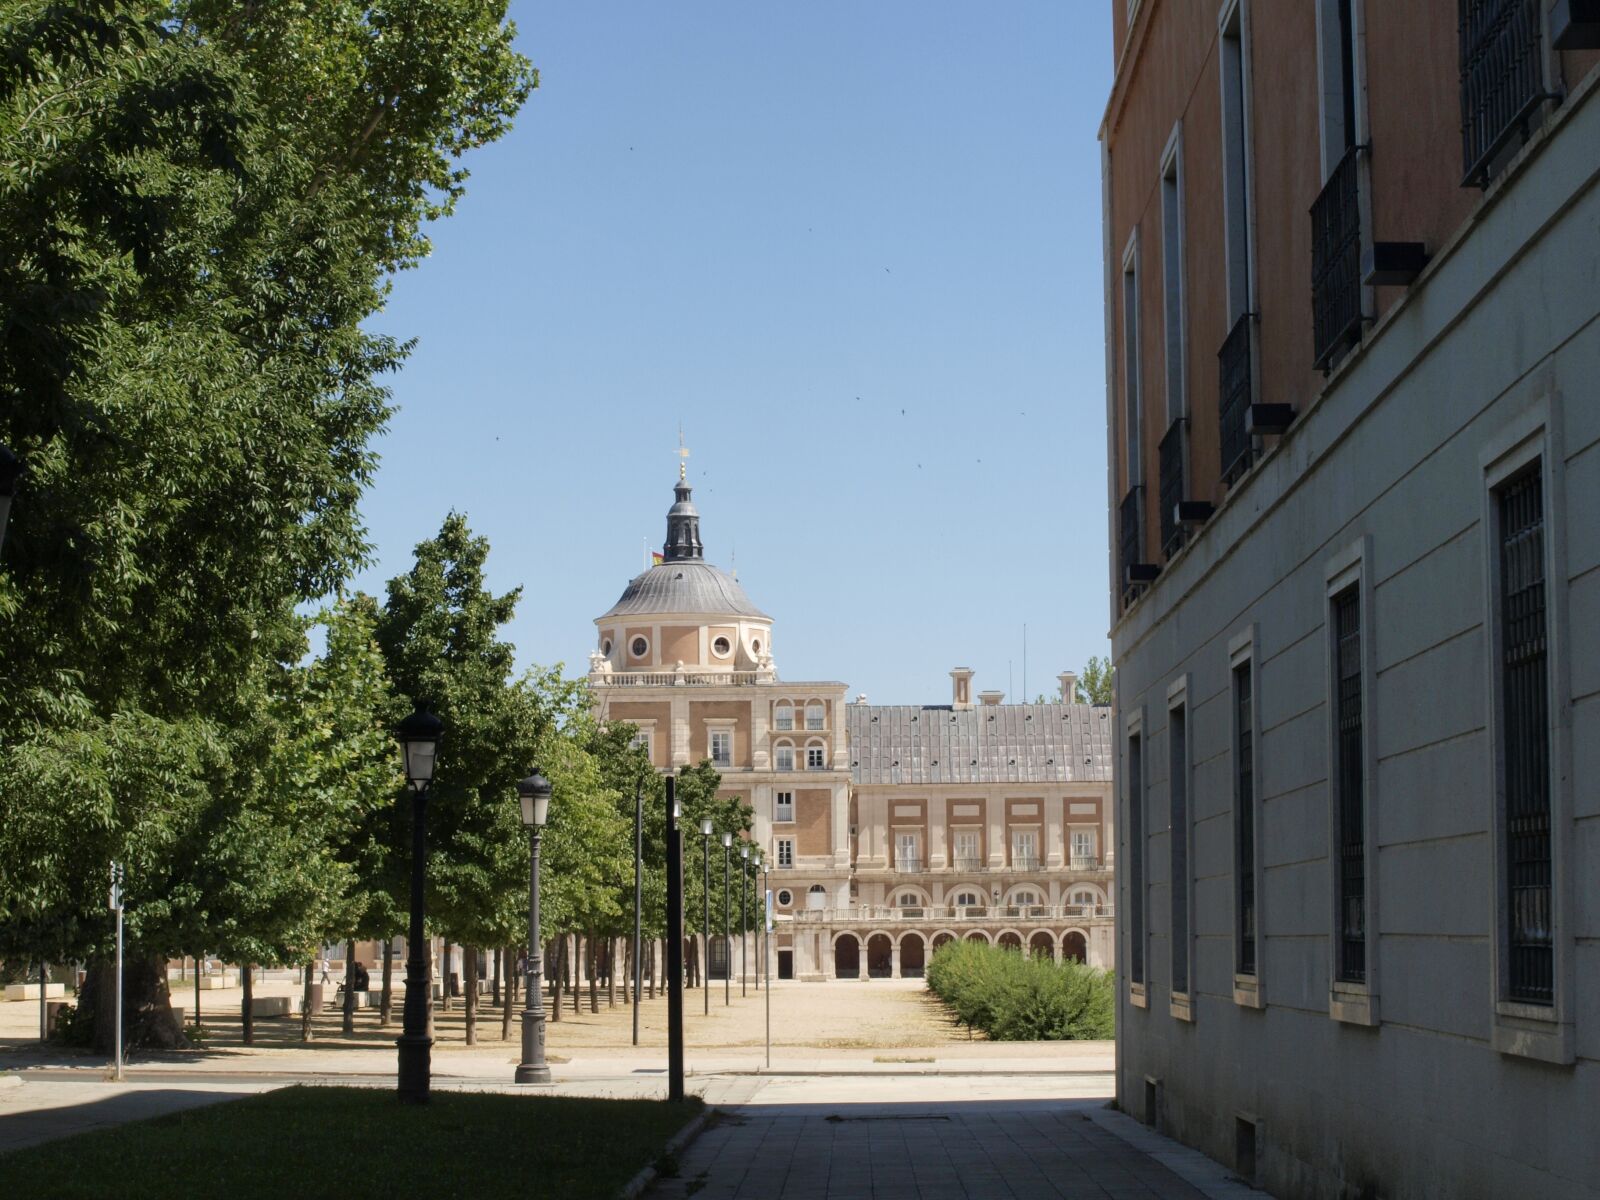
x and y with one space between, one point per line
861 958
1055 848
995 817
938 832
894 960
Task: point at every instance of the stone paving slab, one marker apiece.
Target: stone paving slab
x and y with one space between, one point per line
1045 1150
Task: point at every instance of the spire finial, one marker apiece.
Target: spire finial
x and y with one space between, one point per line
683 457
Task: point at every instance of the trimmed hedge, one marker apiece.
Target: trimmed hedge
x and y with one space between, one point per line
1014 997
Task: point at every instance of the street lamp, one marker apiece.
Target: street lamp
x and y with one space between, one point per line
727 931
418 736
705 938
744 920
534 792
674 945
761 921
10 471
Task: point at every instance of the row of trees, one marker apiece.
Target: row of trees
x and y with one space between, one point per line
201 203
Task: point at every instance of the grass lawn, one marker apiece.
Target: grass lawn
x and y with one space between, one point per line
359 1142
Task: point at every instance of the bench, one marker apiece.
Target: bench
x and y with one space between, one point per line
30 991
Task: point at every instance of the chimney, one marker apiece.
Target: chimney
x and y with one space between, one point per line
1069 687
961 687
991 698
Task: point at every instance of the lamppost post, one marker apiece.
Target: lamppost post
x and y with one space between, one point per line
10 470
727 927
419 736
534 793
638 898
705 937
744 920
674 945
761 923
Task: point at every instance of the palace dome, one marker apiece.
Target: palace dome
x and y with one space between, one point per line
684 587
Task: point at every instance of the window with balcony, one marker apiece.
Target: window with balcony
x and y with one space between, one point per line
722 747
783 807
814 716
1336 290
1025 849
783 716
908 851
1502 81
1234 359
783 756
1083 850
967 854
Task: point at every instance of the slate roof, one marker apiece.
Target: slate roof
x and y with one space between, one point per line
684 587
989 743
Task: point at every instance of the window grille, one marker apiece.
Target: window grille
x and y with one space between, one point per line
1336 261
1131 535
1178 787
1502 79
1233 362
1136 863
1526 717
1173 470
1244 792
1352 819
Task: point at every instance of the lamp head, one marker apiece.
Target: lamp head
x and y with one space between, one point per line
419 736
534 792
705 826
727 840
744 851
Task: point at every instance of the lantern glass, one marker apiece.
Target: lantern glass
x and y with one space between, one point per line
705 827
419 740
727 840
534 793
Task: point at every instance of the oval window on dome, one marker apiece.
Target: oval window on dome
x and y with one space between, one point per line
755 646
640 647
721 647
605 647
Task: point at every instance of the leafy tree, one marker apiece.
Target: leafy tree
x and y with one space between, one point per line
200 203
1096 680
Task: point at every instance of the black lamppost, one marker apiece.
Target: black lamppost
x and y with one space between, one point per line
10 471
638 898
705 938
727 928
744 919
674 946
534 792
761 921
419 736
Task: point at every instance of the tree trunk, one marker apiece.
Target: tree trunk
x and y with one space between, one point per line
611 973
305 1002
349 987
246 1017
510 993
199 958
469 975
650 967
444 977
386 1001
628 950
556 961
575 982
147 1017
494 993
594 973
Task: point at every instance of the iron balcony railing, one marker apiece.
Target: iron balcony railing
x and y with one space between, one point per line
1130 530
1024 862
1336 261
1085 862
1173 472
1502 79
908 866
942 913
1233 362
967 863
1019 864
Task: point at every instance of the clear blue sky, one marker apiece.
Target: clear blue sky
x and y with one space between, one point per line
855 249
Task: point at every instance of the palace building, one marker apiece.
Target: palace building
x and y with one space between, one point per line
889 829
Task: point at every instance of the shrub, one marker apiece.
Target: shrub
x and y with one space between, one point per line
1012 997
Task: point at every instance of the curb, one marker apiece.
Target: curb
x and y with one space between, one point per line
10 1081
635 1187
923 1072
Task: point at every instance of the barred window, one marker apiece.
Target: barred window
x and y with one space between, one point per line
1178 788
1525 724
1136 857
1349 783
1244 799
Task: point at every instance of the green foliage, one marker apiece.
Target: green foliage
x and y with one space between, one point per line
1014 997
1096 680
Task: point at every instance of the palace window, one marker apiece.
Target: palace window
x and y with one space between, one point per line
816 757
1083 846
1025 849
640 647
783 715
785 756
1136 857
785 852
1244 809
1349 772
814 716
968 857
783 807
722 747
1178 789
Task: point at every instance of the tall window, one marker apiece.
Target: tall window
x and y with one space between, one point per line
1178 788
1132 408
1349 782
1525 722
722 747
813 716
967 858
1025 849
908 851
1172 275
783 716
1083 848
785 847
642 741
1244 818
783 807
1235 162
1136 853
785 756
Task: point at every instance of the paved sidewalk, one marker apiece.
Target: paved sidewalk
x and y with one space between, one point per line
1017 1150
